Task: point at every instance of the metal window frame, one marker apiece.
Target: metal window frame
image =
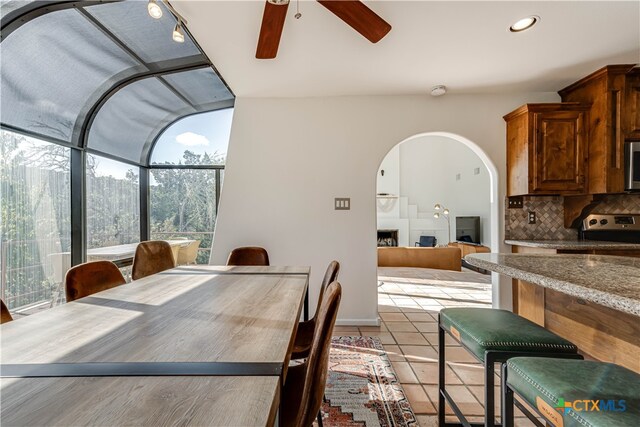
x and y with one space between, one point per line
78 145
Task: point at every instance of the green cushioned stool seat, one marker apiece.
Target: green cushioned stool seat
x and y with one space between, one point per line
486 329
589 393
492 336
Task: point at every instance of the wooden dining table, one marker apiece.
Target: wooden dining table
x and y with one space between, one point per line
194 345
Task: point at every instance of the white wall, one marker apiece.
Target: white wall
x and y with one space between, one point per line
288 159
428 173
390 181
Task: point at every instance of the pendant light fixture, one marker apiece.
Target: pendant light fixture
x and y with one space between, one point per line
154 9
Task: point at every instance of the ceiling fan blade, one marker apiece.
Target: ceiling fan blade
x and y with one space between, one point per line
271 30
359 17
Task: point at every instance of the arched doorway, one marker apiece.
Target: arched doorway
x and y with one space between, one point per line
491 238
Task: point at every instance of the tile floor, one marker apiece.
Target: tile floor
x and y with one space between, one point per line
408 302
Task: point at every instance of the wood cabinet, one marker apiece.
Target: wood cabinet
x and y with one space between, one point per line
631 125
604 90
547 149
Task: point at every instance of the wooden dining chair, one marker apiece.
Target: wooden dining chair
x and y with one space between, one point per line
5 316
91 277
303 390
304 334
248 255
152 257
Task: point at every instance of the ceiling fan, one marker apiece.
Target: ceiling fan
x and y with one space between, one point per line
353 12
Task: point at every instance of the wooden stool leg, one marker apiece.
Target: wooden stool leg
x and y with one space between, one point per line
441 375
506 400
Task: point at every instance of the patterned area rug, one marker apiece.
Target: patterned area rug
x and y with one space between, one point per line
362 388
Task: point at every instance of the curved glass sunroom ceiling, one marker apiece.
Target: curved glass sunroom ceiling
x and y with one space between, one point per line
101 75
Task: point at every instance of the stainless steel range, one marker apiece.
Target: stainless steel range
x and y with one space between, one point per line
611 227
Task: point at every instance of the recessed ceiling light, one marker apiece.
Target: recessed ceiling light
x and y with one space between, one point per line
524 24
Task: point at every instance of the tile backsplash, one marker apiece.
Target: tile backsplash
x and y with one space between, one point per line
550 216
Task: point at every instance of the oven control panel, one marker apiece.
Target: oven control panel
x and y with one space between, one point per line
611 222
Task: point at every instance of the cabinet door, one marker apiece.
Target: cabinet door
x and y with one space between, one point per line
632 106
559 152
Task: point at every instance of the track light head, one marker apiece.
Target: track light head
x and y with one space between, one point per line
154 9
178 33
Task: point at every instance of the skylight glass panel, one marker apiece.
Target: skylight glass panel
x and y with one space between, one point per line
8 6
130 119
53 69
201 87
149 38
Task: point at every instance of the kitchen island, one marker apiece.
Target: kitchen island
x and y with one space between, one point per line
592 300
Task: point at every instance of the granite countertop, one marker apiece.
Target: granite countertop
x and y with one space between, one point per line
574 244
611 281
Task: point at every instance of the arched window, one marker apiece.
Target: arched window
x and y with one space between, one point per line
87 89
186 173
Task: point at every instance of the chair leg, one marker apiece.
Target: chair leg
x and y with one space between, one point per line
320 418
441 375
489 396
506 400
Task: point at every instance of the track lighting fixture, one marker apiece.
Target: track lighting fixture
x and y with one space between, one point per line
178 33
154 9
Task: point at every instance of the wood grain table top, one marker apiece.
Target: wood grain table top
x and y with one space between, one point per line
187 314
140 401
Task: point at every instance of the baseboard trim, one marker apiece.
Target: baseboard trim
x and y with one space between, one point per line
358 322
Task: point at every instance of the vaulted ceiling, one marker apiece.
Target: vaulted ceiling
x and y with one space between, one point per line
464 45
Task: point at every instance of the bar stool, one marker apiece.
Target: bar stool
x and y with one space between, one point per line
492 336
571 392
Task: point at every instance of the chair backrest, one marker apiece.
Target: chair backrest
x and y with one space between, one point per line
330 276
91 277
318 360
428 241
188 254
248 255
5 316
152 257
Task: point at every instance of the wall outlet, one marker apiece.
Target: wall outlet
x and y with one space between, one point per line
515 202
342 203
532 217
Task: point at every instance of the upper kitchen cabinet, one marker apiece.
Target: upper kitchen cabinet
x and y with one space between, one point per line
632 105
610 117
547 149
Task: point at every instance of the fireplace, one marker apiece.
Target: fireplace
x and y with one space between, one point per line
387 237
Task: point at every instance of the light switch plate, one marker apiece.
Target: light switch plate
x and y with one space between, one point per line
515 202
342 203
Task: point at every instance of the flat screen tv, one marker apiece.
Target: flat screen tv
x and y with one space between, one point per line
468 229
